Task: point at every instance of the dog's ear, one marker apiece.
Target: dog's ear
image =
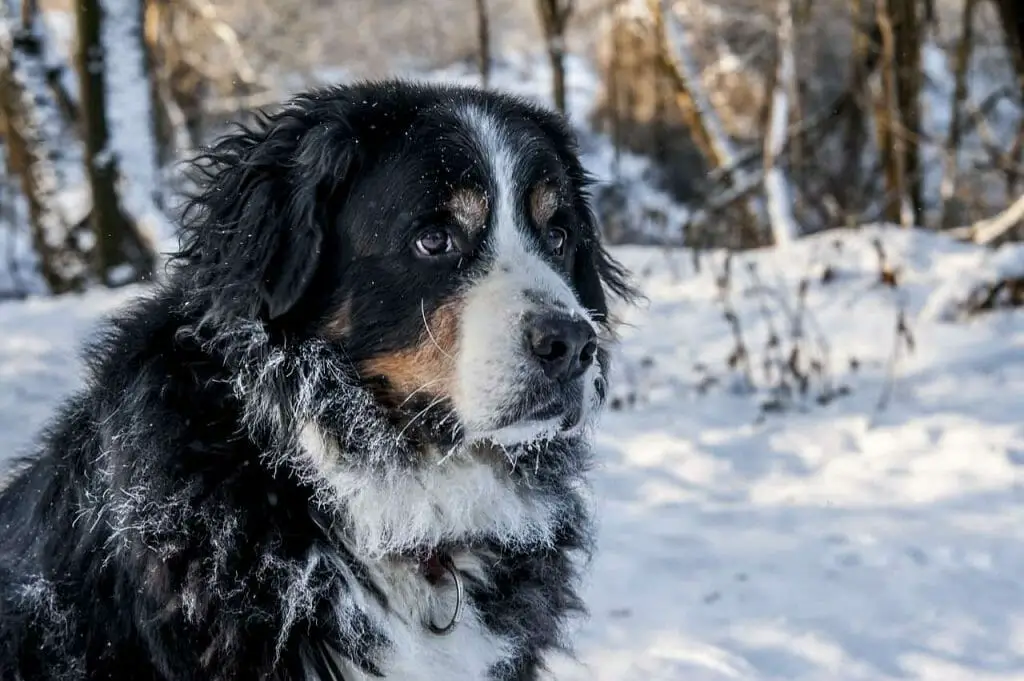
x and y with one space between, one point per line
253 232
595 272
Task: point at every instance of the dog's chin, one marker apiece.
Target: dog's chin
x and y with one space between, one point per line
535 418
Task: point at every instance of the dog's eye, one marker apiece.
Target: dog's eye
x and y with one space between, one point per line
434 242
555 238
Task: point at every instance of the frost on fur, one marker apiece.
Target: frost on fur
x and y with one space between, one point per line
327 429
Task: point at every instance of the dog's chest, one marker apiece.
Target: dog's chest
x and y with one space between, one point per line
466 653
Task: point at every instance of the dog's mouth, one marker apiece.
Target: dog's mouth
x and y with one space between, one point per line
544 412
539 411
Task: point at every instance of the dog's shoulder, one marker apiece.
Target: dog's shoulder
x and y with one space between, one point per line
121 524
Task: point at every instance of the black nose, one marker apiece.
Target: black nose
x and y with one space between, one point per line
562 346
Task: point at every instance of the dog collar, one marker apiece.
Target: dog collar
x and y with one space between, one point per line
434 569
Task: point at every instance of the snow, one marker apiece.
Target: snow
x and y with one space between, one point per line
837 542
841 542
974 271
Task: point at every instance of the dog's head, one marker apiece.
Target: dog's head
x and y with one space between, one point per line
440 237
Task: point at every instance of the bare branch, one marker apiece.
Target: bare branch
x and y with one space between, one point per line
887 117
988 232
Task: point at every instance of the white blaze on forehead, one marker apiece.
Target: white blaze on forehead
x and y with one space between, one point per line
515 258
493 363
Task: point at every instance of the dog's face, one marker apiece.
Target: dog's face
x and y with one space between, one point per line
465 297
442 238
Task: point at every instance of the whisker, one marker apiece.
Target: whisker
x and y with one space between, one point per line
413 393
426 325
448 455
445 419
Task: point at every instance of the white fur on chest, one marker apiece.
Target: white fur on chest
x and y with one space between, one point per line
446 501
416 653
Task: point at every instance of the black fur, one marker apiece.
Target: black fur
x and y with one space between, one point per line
165 527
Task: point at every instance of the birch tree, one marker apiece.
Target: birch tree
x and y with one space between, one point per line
43 152
129 104
707 129
777 189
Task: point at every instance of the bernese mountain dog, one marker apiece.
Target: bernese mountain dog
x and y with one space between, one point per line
346 436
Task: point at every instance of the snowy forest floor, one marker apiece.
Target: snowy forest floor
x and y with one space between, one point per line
838 542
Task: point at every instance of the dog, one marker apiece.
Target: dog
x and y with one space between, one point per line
346 435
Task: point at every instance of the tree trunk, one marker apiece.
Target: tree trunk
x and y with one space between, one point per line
616 105
42 152
800 17
129 105
554 19
483 33
1011 16
122 255
162 131
897 208
162 149
964 48
907 43
171 128
855 132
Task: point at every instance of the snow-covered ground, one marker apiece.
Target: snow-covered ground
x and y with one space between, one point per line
835 542
845 542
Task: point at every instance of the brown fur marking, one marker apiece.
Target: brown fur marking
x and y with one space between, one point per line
543 203
428 367
470 208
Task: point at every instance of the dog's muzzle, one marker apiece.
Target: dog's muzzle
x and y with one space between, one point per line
530 361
